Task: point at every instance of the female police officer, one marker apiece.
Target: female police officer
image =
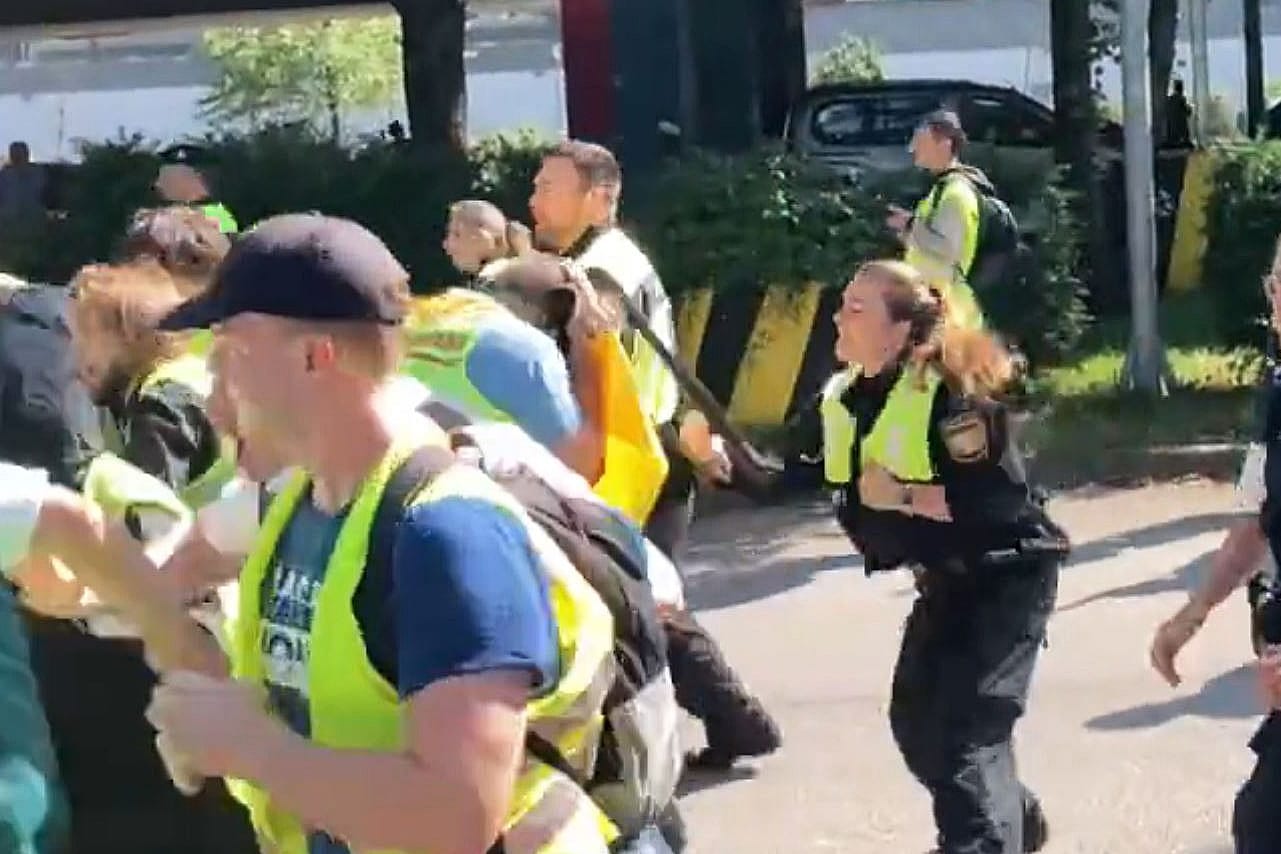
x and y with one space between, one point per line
928 477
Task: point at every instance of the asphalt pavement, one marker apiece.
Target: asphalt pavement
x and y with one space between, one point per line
1124 764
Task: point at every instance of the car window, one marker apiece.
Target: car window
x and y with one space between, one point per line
870 120
1003 120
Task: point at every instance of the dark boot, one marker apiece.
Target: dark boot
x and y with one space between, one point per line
736 724
1036 829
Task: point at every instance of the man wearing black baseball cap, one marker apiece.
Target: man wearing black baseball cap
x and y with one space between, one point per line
941 237
397 698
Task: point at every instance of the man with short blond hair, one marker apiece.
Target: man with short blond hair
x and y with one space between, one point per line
395 611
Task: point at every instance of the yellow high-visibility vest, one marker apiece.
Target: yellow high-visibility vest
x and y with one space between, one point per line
352 707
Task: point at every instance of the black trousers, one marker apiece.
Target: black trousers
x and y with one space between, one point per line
95 692
1256 819
961 683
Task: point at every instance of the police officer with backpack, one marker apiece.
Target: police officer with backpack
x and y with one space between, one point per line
960 236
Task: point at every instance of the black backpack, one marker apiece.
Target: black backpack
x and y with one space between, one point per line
1000 240
636 771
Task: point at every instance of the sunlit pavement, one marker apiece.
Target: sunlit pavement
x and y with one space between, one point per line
1124 764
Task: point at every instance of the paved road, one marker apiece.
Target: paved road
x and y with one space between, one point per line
1124 764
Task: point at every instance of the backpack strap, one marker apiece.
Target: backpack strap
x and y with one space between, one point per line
411 477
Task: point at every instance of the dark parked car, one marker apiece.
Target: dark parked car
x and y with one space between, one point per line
862 126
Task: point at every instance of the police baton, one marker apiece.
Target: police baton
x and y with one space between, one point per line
755 471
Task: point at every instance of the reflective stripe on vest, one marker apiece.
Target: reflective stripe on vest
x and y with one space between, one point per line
351 706
192 372
614 254
950 279
899 440
442 330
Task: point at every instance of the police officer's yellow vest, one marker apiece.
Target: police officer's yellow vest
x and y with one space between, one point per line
614 254
950 280
899 440
353 707
190 371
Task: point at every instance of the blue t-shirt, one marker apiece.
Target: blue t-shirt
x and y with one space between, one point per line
521 372
467 596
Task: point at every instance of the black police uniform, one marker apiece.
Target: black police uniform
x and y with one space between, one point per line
987 582
1256 821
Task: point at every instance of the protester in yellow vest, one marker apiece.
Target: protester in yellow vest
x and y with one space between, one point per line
558 299
918 447
390 715
502 360
481 359
152 395
574 204
941 236
152 390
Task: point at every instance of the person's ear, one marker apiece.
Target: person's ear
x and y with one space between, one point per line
320 354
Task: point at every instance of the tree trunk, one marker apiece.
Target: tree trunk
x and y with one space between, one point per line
1163 27
1254 90
435 75
781 55
1071 31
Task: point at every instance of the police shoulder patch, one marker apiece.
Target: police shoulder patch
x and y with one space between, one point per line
965 436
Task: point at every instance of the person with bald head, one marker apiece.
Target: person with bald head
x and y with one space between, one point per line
184 184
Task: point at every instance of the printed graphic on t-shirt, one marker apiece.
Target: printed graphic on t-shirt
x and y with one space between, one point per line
285 638
289 606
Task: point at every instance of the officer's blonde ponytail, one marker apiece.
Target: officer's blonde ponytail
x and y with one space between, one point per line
971 361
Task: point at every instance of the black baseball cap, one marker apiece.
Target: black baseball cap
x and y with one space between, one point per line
303 267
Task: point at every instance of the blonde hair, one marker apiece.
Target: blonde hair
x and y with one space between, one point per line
971 361
130 299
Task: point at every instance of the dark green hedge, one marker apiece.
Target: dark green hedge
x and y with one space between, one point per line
765 218
1242 223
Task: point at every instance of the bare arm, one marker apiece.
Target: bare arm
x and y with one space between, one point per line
1236 560
107 559
1238 557
584 452
448 793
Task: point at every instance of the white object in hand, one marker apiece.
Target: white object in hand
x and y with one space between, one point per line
184 779
230 523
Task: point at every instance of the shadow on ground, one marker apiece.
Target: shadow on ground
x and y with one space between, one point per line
1150 536
724 586
1230 695
738 556
1183 578
736 559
